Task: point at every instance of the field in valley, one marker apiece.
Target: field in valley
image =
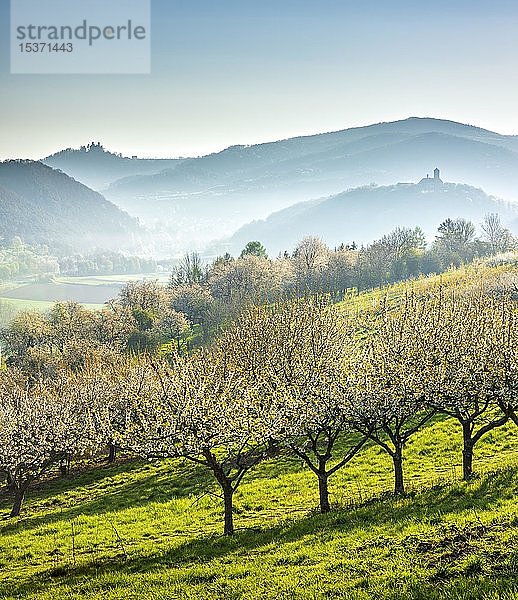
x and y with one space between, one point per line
92 291
146 530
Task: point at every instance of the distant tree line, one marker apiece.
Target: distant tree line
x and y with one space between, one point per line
212 294
107 263
21 260
200 299
18 259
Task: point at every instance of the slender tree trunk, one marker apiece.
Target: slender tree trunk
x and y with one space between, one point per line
112 453
228 496
18 502
228 491
323 492
64 465
399 483
467 452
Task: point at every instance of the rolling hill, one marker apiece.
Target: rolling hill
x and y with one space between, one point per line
141 529
96 167
365 214
45 206
190 202
214 195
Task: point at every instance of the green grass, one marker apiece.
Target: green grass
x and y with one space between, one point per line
143 530
20 305
474 274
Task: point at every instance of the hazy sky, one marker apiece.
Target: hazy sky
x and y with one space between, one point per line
243 71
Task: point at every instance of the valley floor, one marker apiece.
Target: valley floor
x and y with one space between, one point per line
93 292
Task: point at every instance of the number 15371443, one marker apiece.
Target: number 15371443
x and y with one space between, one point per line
45 47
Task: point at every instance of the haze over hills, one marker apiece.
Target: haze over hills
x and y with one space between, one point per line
213 195
45 206
96 167
365 214
189 202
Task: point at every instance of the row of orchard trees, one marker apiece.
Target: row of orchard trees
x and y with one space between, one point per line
304 376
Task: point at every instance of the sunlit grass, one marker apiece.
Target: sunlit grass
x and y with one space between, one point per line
143 530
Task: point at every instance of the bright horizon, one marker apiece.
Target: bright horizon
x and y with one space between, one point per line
214 149
242 73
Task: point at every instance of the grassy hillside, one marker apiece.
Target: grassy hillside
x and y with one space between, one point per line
153 530
489 271
144 530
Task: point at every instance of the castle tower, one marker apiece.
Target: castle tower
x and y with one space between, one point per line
432 183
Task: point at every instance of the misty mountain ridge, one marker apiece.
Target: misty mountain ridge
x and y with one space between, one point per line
97 168
195 200
45 206
364 214
214 195
235 162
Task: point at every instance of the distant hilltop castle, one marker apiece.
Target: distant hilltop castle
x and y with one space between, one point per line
436 180
429 182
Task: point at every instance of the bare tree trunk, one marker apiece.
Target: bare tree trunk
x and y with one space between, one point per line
18 502
228 490
64 465
323 492
514 417
228 495
467 452
112 452
399 483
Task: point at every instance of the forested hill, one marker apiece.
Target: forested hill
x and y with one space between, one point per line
45 206
96 167
205 198
364 214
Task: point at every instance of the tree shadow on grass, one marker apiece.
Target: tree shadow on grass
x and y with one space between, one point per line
117 489
114 489
432 505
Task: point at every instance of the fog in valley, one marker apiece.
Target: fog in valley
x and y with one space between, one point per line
95 213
